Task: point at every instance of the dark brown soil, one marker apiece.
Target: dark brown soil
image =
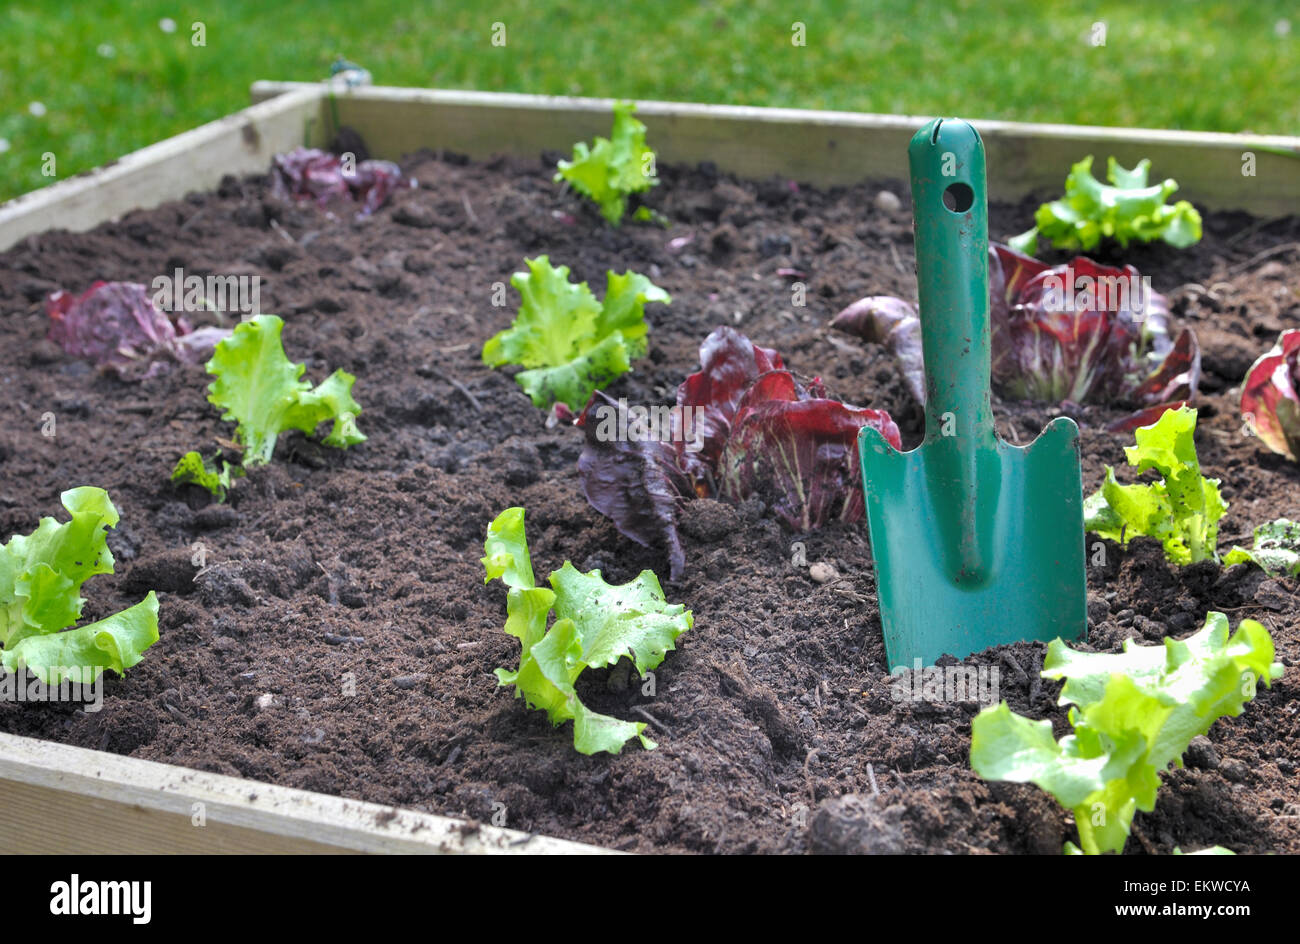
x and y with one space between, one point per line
331 570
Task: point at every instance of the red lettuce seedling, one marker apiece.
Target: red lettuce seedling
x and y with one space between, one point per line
633 481
1080 332
894 324
1270 402
743 427
308 173
117 325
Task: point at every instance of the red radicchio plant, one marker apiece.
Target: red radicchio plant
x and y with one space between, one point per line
1270 396
1080 332
311 173
117 325
743 427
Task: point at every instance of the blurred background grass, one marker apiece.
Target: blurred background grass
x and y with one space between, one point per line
90 81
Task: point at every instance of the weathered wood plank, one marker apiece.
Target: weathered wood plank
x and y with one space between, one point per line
241 143
56 798
820 147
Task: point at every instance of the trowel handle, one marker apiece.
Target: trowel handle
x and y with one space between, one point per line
950 217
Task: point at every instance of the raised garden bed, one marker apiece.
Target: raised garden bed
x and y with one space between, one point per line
366 563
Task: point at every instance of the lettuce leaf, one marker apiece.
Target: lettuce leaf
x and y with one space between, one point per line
1275 550
571 343
614 167
743 427
1270 396
308 173
1134 713
1182 510
1054 338
193 469
894 324
798 448
1125 210
632 480
41 575
117 325
259 388
81 655
596 624
729 364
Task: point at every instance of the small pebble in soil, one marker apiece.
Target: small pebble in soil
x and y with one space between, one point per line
1098 609
264 701
822 572
1271 594
1234 770
407 682
1201 754
887 202
416 215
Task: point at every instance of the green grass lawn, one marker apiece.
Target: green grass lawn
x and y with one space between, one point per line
112 80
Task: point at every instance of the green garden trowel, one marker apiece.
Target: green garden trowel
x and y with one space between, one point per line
976 542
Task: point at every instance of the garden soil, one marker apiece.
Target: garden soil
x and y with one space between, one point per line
329 628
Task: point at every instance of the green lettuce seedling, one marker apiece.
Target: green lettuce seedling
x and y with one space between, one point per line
259 388
1124 211
1134 713
1182 510
614 167
193 469
596 624
1275 549
571 343
40 596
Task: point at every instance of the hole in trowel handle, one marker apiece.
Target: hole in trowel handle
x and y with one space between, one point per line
958 197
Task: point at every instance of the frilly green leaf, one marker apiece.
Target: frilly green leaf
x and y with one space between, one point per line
596 625
41 575
1133 713
1182 510
614 167
259 388
1127 209
571 344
